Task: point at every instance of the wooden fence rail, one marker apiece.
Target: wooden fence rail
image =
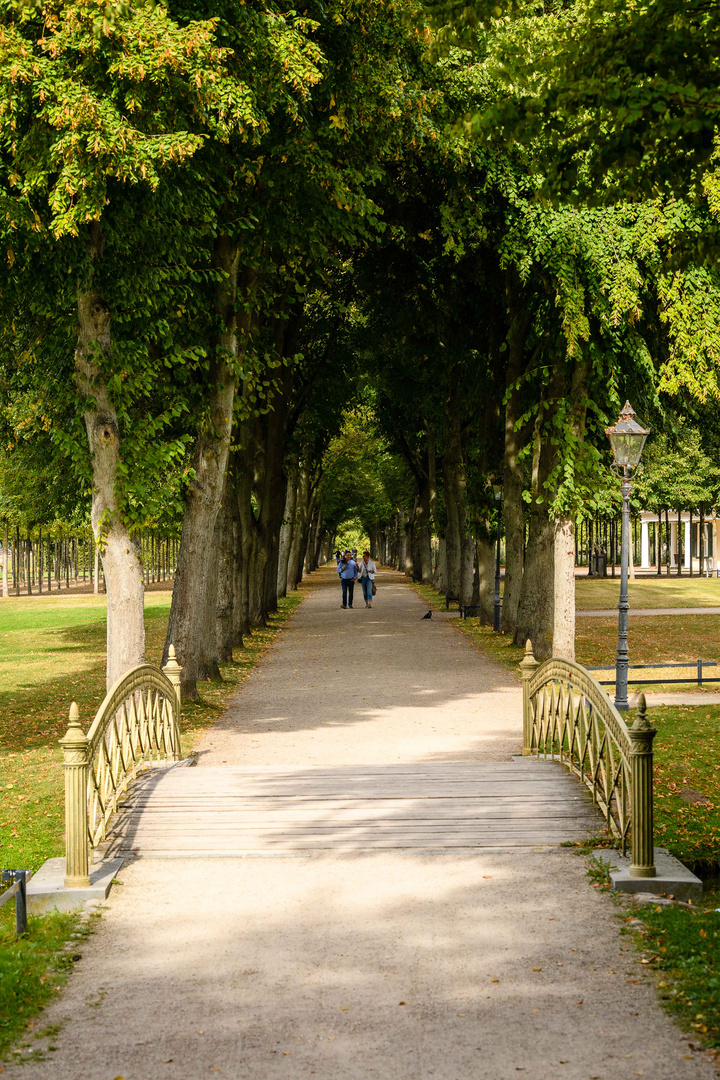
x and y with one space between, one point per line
568 716
136 727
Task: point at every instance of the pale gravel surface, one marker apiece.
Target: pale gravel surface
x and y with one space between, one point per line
293 968
369 687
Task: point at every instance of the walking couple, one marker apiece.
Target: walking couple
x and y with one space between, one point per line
350 570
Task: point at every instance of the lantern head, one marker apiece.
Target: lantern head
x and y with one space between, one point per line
627 439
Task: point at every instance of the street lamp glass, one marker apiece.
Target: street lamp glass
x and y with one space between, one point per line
627 438
497 489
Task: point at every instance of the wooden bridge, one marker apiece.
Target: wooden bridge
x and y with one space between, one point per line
438 699
230 811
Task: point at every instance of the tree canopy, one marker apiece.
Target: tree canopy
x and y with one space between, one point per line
271 271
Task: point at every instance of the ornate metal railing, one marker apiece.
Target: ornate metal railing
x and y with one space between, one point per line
568 716
136 727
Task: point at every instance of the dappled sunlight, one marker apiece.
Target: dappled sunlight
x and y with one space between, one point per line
336 689
399 965
419 804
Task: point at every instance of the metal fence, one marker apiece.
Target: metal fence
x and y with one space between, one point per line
698 677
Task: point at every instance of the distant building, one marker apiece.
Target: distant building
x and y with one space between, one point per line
690 524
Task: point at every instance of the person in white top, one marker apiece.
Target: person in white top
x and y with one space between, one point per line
366 574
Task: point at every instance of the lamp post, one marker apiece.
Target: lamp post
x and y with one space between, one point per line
627 439
497 606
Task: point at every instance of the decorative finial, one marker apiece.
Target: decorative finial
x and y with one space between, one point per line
641 721
74 735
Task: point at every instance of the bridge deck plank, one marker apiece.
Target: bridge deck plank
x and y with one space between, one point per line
235 811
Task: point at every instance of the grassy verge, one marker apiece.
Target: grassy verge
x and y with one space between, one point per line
33 970
687 785
682 947
52 652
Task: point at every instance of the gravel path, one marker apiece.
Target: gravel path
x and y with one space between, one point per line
369 687
388 965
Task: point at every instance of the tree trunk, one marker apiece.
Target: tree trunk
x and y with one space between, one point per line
440 581
120 553
287 528
225 590
409 566
483 596
513 513
564 608
459 544
424 538
5 588
296 545
305 539
191 603
246 535
536 609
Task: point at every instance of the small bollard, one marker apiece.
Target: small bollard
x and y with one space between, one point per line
19 878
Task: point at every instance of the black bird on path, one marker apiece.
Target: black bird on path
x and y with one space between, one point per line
428 616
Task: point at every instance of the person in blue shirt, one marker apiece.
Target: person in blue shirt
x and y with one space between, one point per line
348 571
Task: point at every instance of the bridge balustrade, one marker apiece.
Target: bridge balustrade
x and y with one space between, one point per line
567 716
136 727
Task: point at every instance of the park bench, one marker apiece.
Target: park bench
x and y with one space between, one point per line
470 611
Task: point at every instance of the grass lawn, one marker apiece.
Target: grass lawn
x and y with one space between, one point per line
682 947
52 652
651 592
654 639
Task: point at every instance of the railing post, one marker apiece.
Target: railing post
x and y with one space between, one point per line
75 754
528 666
173 671
641 794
